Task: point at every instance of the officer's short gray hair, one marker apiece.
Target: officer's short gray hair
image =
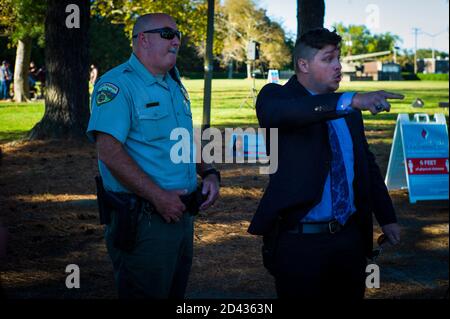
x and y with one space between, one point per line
142 23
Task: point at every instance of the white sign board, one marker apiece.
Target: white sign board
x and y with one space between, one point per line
419 157
247 146
273 77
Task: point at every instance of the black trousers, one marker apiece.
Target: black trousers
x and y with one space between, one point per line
320 265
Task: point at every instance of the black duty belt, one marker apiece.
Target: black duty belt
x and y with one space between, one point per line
330 227
192 202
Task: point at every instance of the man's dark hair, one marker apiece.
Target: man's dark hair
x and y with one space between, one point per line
312 41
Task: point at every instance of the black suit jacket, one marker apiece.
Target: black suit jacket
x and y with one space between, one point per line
304 158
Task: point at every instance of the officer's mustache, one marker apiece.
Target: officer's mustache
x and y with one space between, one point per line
173 50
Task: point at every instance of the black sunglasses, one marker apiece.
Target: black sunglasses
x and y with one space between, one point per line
165 33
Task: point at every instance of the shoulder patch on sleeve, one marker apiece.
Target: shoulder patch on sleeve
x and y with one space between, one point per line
106 93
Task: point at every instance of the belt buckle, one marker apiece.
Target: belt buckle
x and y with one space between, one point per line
333 226
295 230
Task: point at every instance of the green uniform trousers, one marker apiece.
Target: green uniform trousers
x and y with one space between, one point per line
159 266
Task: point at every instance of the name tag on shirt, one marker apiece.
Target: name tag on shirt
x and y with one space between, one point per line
152 104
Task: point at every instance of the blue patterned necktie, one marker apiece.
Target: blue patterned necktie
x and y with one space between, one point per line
339 184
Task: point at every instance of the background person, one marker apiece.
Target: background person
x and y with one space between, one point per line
6 77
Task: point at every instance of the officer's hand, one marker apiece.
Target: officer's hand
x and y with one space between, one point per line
392 232
211 187
375 102
169 205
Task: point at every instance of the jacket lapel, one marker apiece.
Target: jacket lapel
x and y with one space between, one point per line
358 159
352 127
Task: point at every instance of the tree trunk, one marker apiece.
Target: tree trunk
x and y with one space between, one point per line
310 14
230 69
66 58
21 67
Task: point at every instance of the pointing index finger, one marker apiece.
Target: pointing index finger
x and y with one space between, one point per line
389 95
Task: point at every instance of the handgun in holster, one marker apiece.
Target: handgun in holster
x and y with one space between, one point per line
194 201
104 208
128 207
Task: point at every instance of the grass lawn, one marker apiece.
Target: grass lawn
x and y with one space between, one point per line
47 201
16 119
229 109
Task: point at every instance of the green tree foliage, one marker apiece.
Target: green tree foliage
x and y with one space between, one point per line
428 53
235 24
22 21
108 44
23 18
190 15
190 58
406 57
357 39
240 21
7 52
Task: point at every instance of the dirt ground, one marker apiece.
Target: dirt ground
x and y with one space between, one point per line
47 202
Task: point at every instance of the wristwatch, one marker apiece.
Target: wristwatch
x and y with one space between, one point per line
210 171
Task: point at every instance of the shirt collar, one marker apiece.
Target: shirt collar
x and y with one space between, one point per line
311 92
295 86
141 70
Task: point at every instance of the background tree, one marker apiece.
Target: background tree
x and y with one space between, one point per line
103 37
22 21
190 16
231 32
310 14
276 48
240 21
406 57
357 39
427 54
66 55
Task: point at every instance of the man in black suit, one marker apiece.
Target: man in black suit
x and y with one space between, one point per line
316 213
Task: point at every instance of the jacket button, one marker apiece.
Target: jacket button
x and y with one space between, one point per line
318 108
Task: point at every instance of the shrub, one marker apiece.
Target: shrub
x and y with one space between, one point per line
433 77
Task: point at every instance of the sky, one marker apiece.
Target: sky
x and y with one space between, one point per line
396 16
